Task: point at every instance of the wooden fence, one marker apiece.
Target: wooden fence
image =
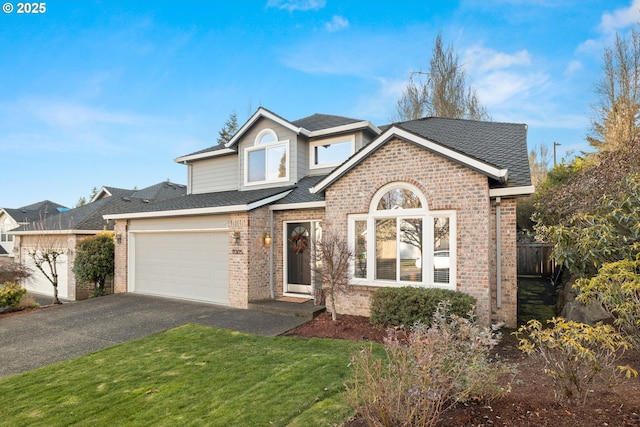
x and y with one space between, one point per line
534 259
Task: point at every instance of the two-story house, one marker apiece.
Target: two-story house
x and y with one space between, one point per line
427 202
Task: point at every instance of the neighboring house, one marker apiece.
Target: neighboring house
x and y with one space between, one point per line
62 230
14 218
428 203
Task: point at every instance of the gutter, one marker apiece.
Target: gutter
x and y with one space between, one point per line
498 256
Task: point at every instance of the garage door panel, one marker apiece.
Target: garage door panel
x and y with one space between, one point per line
39 284
182 265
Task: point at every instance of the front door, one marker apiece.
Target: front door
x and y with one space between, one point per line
299 238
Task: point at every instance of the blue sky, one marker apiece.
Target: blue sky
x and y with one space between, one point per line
97 93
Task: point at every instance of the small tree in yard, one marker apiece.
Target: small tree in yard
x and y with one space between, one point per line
13 272
332 266
95 260
49 246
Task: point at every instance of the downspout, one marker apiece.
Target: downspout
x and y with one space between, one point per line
498 256
271 287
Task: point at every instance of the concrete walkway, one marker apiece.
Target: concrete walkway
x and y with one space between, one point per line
31 340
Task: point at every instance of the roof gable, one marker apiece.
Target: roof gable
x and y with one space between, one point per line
310 126
497 150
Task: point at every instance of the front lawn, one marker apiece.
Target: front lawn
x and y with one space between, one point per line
191 375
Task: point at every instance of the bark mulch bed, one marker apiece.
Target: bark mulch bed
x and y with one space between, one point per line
530 402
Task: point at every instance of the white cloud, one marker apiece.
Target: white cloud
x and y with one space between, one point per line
612 23
337 23
484 59
292 5
620 18
573 67
500 87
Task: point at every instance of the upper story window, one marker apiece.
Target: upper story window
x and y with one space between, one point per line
267 160
330 152
4 237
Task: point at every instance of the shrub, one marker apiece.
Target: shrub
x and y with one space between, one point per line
95 260
11 294
617 288
421 377
575 355
13 272
407 305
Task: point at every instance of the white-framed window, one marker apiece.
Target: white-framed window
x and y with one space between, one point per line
331 152
6 226
267 160
400 242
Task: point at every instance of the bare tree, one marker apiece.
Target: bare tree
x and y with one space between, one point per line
332 266
616 112
539 159
443 91
49 245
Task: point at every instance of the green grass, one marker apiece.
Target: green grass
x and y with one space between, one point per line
188 376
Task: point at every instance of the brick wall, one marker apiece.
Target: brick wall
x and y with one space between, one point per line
279 243
509 264
446 186
121 274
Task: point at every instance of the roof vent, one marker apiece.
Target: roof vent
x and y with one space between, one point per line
145 200
126 199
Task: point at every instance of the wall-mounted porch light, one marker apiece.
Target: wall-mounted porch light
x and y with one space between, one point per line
118 237
236 237
266 237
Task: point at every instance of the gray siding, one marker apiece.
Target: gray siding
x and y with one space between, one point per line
303 157
217 174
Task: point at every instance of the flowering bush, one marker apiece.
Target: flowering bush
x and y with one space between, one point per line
10 294
426 372
575 355
617 288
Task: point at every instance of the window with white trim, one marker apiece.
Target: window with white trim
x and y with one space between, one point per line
330 152
4 237
401 242
267 160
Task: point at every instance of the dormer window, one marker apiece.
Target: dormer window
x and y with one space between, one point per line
267 160
330 152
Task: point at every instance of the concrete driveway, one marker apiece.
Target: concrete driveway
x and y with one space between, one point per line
31 340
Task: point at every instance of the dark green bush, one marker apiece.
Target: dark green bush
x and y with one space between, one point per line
408 305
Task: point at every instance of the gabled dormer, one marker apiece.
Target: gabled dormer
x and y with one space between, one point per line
269 151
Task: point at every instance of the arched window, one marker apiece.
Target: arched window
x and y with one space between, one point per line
401 242
267 160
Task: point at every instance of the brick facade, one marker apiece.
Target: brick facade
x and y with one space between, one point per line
121 274
446 186
256 270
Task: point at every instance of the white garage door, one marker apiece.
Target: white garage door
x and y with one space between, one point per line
39 284
187 265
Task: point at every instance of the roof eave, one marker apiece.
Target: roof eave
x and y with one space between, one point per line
346 128
205 155
525 190
491 171
200 211
264 113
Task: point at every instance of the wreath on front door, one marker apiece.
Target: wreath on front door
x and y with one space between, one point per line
298 243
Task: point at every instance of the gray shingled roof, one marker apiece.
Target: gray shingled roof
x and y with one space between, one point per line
503 145
301 194
213 200
323 121
209 150
35 211
90 215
